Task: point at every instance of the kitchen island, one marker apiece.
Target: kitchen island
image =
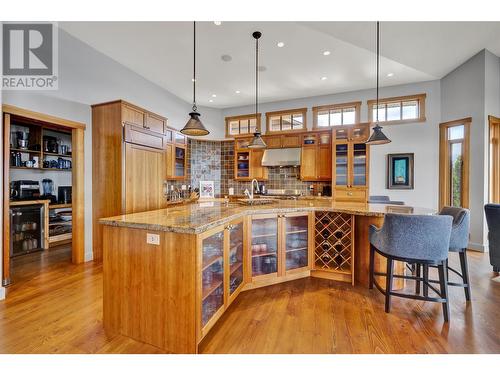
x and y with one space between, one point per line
170 274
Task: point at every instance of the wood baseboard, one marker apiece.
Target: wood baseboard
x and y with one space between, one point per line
331 275
276 280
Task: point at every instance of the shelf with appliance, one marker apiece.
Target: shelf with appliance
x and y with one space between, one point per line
351 161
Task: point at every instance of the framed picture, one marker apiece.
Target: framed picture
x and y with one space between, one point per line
399 171
207 189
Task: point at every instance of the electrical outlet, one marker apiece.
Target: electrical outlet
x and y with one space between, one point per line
153 239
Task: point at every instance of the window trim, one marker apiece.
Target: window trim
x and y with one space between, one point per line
329 107
249 116
494 167
421 108
282 113
444 158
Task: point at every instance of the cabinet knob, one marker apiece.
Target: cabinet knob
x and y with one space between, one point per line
349 193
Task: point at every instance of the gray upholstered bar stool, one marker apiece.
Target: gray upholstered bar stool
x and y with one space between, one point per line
418 239
458 244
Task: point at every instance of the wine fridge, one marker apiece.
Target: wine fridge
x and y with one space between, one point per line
26 229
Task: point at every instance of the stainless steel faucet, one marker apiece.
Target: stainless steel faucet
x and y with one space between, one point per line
250 194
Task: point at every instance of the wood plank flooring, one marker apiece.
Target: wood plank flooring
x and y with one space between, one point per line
57 308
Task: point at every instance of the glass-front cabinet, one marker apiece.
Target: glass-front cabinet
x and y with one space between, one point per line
221 271
279 245
264 245
235 258
212 276
296 242
359 164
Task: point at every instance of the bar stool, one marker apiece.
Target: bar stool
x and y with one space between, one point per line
458 244
418 239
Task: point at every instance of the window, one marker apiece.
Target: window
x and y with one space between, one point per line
401 109
286 121
336 114
454 163
242 125
494 164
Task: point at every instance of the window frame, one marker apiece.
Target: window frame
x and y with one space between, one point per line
420 98
250 116
494 159
281 114
331 107
444 162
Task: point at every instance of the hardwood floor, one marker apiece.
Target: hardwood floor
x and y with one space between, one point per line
59 310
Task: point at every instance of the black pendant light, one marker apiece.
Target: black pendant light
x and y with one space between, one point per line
257 141
378 137
194 126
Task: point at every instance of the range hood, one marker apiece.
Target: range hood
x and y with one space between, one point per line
281 157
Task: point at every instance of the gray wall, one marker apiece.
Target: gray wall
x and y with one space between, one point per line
473 89
420 138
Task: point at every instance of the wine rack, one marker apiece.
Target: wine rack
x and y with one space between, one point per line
333 239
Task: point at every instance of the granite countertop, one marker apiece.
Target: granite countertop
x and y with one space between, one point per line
201 216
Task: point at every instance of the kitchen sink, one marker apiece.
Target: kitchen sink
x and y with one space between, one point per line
256 201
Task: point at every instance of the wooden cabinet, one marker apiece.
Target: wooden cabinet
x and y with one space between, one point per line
130 161
279 246
352 133
248 162
316 157
142 166
135 116
221 273
283 141
351 171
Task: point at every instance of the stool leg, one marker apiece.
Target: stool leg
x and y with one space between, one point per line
465 272
426 280
417 285
443 282
372 266
388 285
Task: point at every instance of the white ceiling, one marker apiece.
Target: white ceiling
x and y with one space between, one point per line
162 53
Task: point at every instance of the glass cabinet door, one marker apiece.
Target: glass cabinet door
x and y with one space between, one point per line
341 160
180 161
243 164
296 241
264 246
359 165
212 276
235 256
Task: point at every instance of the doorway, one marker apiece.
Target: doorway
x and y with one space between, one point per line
39 149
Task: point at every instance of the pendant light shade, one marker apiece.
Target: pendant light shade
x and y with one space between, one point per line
377 137
257 141
194 126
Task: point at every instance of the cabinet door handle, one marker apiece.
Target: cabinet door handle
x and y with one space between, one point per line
349 193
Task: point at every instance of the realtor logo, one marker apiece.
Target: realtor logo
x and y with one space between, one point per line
29 59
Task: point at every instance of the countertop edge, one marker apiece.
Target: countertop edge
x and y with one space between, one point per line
248 211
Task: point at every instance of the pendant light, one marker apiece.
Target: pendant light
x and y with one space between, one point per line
378 137
194 126
257 141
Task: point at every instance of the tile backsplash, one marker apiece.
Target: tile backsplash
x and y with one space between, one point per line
214 161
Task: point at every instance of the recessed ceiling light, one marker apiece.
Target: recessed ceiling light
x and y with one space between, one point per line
324 78
211 100
218 23
226 58
390 74
214 96
280 44
237 91
262 68
326 53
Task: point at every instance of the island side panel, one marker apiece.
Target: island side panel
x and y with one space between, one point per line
362 254
149 290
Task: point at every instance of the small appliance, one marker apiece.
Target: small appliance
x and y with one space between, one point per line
48 190
25 190
64 194
50 144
